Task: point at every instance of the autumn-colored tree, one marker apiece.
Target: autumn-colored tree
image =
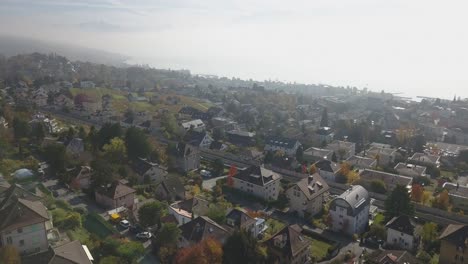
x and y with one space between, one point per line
442 201
208 251
417 193
232 172
9 254
352 176
345 169
426 197
313 169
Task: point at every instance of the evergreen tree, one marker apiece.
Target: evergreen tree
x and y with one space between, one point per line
324 120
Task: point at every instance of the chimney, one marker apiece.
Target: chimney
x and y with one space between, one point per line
310 179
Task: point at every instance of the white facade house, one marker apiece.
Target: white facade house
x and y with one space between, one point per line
288 146
400 233
259 182
186 210
196 125
349 212
306 197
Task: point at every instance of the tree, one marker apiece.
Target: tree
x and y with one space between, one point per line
378 186
300 154
429 232
377 230
442 201
130 250
217 166
241 247
107 132
103 172
218 134
333 157
313 169
150 213
38 131
137 143
82 133
168 235
115 151
418 143
112 260
232 172
417 192
399 202
324 120
54 154
426 197
9 254
208 251
21 128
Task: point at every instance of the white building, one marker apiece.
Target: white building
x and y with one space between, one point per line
87 85
343 149
186 210
306 197
288 146
349 212
196 125
400 233
259 182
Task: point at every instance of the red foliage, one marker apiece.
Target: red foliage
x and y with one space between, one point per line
417 192
232 172
208 251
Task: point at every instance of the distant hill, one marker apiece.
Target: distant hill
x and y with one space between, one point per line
13 45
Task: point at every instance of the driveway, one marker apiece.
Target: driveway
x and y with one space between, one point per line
208 184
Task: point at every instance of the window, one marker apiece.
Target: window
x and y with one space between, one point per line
21 242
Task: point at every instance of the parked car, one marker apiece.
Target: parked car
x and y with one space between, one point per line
125 224
205 173
144 235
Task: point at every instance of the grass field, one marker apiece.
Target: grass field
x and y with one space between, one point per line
319 249
273 227
98 226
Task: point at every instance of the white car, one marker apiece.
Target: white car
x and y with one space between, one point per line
125 223
205 173
144 235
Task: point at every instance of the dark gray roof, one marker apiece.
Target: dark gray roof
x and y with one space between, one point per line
313 186
356 197
115 190
291 241
281 142
240 218
327 165
193 205
402 224
194 138
393 256
203 227
257 175
390 179
410 170
69 253
361 162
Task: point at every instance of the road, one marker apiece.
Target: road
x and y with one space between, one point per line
210 183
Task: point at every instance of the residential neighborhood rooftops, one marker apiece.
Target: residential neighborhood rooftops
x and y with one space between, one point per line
390 179
356 197
289 241
361 162
410 170
393 257
69 253
456 189
17 212
115 190
402 223
456 234
318 152
313 186
327 165
239 218
281 142
203 227
424 158
257 175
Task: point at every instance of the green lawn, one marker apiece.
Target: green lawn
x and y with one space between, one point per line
97 225
273 227
319 249
379 219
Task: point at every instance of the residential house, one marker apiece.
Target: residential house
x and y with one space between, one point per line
83 179
287 146
24 222
239 219
170 189
87 85
289 246
458 195
313 154
148 171
384 256
324 134
258 181
39 97
195 125
241 138
75 147
198 139
307 196
115 195
425 159
361 163
186 210
349 212
400 233
327 169
187 157
224 124
410 170
219 146
390 180
62 101
454 244
201 228
343 149
69 253
385 156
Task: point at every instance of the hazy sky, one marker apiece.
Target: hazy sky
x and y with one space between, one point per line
419 47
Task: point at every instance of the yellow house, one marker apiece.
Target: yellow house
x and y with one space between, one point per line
454 245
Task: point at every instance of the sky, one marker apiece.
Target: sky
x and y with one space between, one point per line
417 47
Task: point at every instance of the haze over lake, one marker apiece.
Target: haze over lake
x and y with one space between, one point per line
415 47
